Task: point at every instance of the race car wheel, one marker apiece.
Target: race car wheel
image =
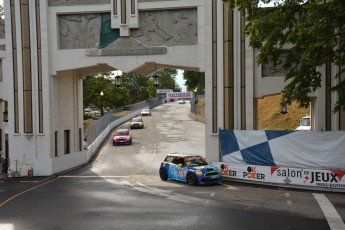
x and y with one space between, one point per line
163 174
191 179
114 144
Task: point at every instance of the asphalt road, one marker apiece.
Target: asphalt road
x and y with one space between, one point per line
121 189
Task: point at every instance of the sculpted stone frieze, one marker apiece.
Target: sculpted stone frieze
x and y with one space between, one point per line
79 31
157 29
167 28
76 2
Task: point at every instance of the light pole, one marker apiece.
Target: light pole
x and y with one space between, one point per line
195 99
283 109
102 99
117 81
155 80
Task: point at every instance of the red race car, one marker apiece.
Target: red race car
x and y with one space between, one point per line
122 136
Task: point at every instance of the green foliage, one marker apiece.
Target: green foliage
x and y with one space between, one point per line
137 86
2 11
195 80
114 96
167 79
134 88
312 30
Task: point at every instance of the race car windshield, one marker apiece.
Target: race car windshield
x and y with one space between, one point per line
121 133
136 119
195 161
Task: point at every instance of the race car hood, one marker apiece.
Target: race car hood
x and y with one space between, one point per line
204 168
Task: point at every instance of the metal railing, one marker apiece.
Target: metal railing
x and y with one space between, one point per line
198 109
95 129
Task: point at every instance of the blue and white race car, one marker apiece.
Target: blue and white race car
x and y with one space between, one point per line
189 168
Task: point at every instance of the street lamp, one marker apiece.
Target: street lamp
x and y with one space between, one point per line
283 109
117 81
102 99
195 99
155 80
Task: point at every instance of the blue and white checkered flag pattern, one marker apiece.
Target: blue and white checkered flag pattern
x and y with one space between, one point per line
284 148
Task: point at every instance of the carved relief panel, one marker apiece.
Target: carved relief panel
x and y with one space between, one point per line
157 28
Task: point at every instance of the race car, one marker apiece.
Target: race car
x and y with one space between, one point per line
145 112
189 168
122 136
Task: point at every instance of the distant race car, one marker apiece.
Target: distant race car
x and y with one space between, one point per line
122 136
146 112
137 122
189 168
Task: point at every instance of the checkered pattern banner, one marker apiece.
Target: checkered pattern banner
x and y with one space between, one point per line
283 148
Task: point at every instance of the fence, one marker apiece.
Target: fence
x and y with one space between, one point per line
95 129
197 108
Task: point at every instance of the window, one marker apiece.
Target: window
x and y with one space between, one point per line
66 142
56 143
169 159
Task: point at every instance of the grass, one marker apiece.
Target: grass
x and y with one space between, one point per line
270 118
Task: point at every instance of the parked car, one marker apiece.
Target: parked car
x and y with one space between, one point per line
137 122
189 168
122 136
304 124
181 102
145 112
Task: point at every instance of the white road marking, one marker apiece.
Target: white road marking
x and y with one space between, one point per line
229 187
29 181
289 202
6 227
333 218
211 193
124 182
168 194
94 176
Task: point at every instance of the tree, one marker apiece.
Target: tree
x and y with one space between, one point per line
195 80
2 10
137 86
114 96
312 29
167 79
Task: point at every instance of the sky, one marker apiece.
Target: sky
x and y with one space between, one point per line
180 81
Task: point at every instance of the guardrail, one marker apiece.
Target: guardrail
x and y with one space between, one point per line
99 130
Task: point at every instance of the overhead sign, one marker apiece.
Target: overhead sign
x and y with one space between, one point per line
164 90
178 95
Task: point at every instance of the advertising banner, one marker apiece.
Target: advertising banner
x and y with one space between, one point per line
320 179
178 95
